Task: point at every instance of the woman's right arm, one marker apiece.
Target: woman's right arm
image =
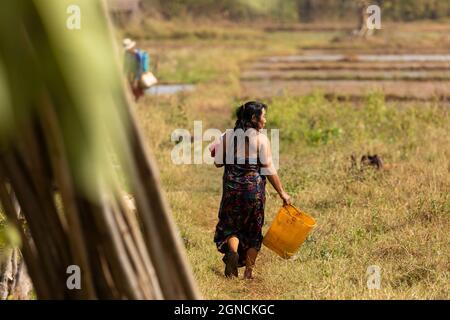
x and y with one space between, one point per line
275 181
271 172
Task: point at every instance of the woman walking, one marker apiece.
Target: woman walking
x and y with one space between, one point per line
246 154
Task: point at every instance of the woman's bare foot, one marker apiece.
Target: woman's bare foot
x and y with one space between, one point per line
248 274
231 260
250 263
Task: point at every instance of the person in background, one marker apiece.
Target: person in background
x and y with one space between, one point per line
136 63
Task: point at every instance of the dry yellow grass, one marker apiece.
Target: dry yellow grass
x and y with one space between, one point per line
397 219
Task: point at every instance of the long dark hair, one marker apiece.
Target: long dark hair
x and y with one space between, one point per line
245 113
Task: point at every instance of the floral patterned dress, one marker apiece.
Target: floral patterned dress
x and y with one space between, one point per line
241 210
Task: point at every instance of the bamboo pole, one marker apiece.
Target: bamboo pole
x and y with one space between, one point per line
121 267
103 283
64 181
41 183
132 221
148 286
29 252
162 237
44 245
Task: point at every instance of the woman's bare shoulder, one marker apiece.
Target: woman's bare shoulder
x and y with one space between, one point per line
263 139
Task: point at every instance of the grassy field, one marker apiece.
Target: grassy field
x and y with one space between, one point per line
397 218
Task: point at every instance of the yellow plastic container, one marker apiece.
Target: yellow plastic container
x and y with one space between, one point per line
288 231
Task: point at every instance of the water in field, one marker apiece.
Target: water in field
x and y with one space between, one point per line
168 89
